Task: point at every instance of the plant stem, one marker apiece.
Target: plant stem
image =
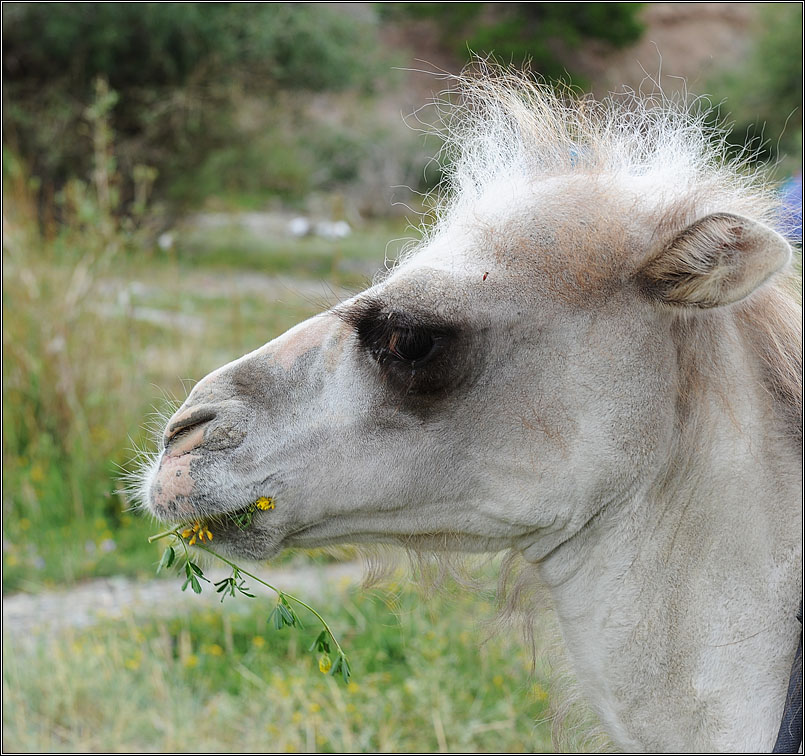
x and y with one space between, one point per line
175 532
278 592
165 534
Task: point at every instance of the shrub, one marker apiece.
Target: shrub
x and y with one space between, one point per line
538 33
177 69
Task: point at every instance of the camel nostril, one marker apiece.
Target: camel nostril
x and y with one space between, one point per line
182 424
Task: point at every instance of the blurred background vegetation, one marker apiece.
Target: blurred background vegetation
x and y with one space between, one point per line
183 182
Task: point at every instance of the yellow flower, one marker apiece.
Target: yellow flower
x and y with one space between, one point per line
325 664
197 531
258 641
264 503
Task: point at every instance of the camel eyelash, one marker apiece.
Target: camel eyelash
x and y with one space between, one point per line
397 341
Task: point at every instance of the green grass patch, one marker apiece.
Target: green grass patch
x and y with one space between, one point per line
226 681
349 262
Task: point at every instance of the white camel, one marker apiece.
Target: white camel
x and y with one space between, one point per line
590 359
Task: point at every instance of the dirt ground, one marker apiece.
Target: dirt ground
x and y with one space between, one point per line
31 616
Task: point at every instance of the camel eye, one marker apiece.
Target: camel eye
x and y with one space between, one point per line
410 345
413 353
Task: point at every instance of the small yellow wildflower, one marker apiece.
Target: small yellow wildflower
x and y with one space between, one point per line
258 641
197 531
264 503
325 664
215 650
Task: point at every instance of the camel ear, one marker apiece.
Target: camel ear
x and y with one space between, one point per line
719 259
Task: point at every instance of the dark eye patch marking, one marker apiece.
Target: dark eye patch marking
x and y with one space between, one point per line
408 347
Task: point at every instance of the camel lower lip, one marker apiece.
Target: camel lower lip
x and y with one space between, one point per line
241 519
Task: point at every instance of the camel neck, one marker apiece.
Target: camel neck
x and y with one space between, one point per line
678 606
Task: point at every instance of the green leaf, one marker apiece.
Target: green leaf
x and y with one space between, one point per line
296 621
287 616
336 666
243 588
168 555
277 617
195 585
197 570
321 644
341 665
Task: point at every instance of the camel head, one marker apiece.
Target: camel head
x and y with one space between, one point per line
508 379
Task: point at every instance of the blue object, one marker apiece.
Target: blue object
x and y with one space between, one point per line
790 222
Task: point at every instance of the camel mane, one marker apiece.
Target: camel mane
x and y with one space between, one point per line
498 124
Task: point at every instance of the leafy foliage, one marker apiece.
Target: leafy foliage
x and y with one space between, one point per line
178 71
541 33
763 97
283 614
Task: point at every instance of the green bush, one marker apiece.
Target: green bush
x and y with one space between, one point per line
763 97
536 33
178 71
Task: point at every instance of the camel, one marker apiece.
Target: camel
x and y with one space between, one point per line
590 359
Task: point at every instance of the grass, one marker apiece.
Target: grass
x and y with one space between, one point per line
347 262
228 682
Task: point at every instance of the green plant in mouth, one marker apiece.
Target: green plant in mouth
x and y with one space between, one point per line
283 615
